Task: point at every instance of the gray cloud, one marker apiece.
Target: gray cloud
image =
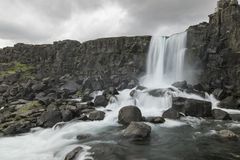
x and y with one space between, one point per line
43 21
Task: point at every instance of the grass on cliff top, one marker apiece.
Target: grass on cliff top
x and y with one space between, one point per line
16 67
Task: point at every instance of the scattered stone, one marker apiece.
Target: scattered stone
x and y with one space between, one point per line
129 114
171 114
157 92
235 117
67 115
100 101
180 85
50 118
96 115
73 155
228 135
137 131
220 115
230 103
219 94
155 120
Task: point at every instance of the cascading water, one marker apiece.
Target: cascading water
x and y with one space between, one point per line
165 62
164 66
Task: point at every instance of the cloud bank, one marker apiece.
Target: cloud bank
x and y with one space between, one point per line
44 21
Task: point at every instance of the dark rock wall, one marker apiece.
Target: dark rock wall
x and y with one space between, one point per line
215 47
102 58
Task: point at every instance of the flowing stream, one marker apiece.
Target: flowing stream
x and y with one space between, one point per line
188 138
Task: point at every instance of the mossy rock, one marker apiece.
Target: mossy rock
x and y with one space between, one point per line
17 67
29 106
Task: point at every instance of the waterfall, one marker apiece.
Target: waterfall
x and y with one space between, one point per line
165 61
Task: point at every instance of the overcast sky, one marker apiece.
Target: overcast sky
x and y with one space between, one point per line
44 21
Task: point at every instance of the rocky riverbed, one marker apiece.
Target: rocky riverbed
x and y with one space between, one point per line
89 101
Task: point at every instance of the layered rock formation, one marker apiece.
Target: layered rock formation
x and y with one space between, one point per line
214 48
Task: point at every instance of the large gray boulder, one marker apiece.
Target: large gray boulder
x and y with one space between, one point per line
171 114
50 118
129 114
100 101
192 107
219 114
137 131
96 115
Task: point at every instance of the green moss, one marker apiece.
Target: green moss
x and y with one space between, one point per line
16 67
29 106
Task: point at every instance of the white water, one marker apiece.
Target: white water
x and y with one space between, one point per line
165 62
164 66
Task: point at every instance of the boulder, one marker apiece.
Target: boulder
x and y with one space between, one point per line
73 155
220 115
235 117
192 107
109 151
155 120
70 87
157 92
96 115
229 102
219 94
3 88
67 115
50 118
227 135
171 114
137 131
180 85
100 101
129 114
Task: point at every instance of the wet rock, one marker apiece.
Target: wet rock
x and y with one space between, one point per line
141 88
96 115
230 103
180 85
220 115
129 114
83 136
133 93
108 151
100 101
50 118
219 94
155 120
67 115
227 135
137 131
192 107
171 114
73 155
110 91
157 92
235 117
17 128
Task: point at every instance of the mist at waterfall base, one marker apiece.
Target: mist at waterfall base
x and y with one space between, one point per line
189 138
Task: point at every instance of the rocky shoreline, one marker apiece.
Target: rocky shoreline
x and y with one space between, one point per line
39 82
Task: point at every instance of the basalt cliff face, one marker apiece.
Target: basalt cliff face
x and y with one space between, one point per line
36 79
214 49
